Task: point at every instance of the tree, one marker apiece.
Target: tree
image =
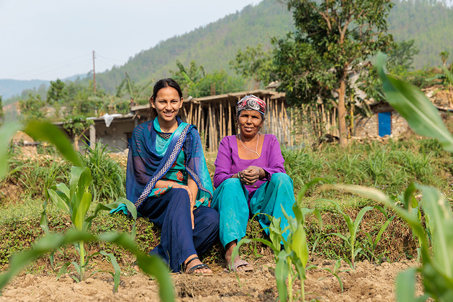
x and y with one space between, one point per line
30 109
332 39
444 56
76 125
57 92
255 63
401 56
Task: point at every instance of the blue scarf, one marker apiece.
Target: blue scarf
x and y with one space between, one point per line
148 162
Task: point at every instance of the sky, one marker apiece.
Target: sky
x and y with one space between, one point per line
50 39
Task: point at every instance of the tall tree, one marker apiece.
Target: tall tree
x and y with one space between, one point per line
77 125
255 63
30 109
444 56
57 92
332 39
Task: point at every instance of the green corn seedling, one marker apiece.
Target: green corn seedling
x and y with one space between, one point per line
295 251
353 227
373 243
76 200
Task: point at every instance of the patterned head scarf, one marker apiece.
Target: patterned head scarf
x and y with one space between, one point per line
251 102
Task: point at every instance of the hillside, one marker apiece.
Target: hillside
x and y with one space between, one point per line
8 88
215 44
212 46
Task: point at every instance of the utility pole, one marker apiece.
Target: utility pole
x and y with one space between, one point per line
94 75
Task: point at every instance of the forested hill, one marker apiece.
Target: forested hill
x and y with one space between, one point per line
429 23
214 45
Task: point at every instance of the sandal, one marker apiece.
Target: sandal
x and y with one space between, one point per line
194 268
241 263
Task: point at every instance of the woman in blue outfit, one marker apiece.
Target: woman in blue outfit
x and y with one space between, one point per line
250 178
168 181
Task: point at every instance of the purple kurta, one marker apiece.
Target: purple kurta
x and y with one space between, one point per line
228 162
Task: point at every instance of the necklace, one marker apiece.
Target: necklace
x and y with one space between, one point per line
256 149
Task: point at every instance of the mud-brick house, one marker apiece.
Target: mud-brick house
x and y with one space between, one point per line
112 130
383 121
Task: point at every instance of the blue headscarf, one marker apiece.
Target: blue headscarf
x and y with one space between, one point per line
146 165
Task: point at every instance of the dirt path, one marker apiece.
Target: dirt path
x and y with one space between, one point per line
368 283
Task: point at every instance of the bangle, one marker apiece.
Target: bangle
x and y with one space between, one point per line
239 176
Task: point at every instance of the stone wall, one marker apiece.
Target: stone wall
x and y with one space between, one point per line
116 135
369 126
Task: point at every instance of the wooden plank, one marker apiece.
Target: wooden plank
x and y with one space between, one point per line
230 132
221 119
191 113
210 127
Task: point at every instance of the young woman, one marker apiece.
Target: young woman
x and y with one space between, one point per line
250 178
169 183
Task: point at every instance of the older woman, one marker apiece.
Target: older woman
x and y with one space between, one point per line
169 183
250 178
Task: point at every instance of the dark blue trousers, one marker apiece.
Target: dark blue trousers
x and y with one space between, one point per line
171 213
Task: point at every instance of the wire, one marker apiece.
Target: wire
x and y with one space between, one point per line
49 66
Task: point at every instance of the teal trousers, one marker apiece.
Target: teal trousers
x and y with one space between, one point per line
230 200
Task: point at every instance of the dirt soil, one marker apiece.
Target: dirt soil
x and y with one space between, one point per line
368 283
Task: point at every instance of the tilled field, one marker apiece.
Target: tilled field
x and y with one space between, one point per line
369 282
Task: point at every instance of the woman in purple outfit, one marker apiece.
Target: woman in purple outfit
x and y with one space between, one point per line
250 178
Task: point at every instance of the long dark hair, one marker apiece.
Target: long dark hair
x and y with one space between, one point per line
163 83
169 82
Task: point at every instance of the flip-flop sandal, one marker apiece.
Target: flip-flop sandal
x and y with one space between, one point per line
192 270
241 263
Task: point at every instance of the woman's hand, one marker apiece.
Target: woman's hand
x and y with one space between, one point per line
250 175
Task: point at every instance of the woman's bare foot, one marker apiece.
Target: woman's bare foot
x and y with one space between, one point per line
189 264
238 264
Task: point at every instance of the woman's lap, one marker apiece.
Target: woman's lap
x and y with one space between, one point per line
171 213
230 200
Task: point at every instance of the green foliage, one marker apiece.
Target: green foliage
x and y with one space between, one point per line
444 56
30 108
109 179
151 265
197 83
353 227
76 201
437 265
331 38
255 63
57 92
401 56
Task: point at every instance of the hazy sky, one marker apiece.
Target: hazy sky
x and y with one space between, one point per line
49 39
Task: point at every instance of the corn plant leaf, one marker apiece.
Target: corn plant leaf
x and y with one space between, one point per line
151 265
281 274
6 133
357 222
45 131
414 106
74 178
306 186
116 268
59 201
410 218
299 244
405 286
64 189
441 223
381 231
79 212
